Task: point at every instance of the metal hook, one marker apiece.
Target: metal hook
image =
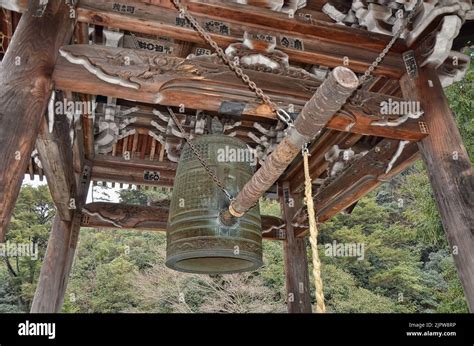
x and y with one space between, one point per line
305 150
285 117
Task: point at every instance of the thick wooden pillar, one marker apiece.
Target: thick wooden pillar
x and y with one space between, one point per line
450 172
25 88
58 260
71 179
296 264
54 271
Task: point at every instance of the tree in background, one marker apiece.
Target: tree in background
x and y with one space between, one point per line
30 224
165 290
461 101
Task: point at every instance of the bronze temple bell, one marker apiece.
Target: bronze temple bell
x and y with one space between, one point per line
198 240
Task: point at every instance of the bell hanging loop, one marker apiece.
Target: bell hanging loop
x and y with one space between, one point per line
285 117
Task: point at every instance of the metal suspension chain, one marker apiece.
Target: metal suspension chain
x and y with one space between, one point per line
281 113
198 155
367 74
313 228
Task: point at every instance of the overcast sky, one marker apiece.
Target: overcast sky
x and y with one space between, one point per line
95 192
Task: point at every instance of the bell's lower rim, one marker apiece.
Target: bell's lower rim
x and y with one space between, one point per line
214 262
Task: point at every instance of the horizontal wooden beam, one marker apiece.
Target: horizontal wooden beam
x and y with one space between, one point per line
148 218
363 176
209 85
317 161
116 216
322 43
135 172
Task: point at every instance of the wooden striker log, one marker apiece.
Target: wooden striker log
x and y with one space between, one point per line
327 100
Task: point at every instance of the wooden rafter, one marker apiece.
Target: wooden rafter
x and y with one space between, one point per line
120 170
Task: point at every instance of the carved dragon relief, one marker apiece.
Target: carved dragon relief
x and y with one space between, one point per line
121 216
158 73
132 69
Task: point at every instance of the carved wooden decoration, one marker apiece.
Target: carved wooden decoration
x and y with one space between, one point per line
155 218
286 6
436 47
386 18
159 78
454 69
361 176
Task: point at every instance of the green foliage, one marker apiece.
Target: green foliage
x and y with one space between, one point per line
105 267
461 101
142 197
133 197
343 295
9 297
421 208
270 207
113 289
405 260
30 224
163 290
273 270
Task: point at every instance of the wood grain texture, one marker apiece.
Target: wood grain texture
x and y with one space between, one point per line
207 83
328 99
324 43
317 162
123 216
450 172
359 178
116 169
25 77
295 256
152 218
59 257
54 262
55 152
